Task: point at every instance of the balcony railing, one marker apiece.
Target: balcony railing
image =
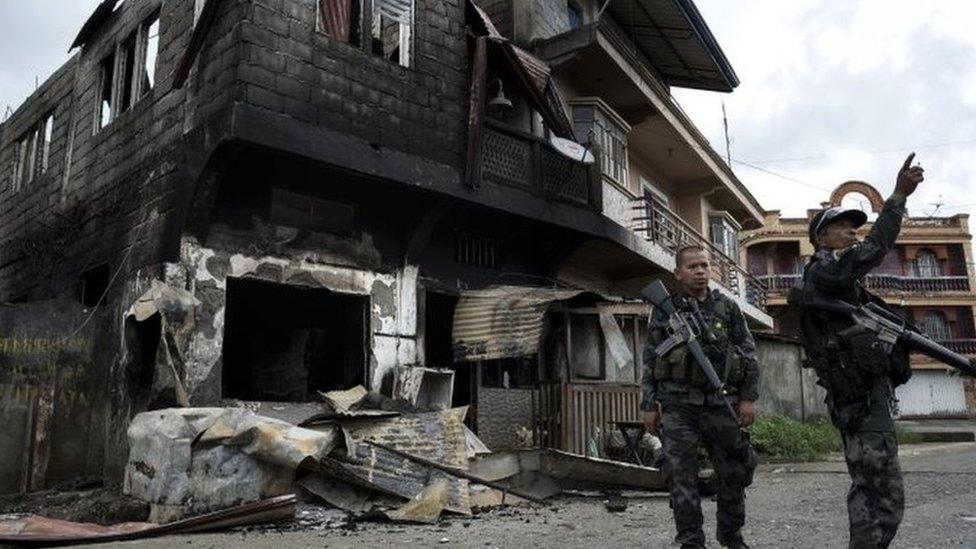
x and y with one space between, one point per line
961 346
661 226
780 284
899 284
518 159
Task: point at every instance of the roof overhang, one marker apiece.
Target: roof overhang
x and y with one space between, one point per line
674 37
94 22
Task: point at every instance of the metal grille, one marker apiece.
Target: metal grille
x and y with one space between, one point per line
564 178
507 159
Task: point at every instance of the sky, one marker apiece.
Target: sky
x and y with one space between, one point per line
833 91
830 91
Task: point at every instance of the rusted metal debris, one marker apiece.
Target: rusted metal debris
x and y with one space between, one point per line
35 531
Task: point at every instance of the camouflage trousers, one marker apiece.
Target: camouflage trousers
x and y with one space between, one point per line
683 427
876 500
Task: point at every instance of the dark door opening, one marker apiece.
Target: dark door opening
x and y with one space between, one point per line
284 343
439 344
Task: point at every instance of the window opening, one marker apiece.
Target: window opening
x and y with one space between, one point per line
392 22
106 80
92 285
285 343
574 15
127 66
927 264
152 54
47 131
725 237
935 325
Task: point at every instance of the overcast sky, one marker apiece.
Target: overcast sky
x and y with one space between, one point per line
830 90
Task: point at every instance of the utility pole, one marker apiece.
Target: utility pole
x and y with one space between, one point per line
728 145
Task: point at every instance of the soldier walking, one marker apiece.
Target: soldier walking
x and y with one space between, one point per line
678 404
858 375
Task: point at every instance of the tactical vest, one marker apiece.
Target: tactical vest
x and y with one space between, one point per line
678 364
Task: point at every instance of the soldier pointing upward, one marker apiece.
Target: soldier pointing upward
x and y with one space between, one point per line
859 378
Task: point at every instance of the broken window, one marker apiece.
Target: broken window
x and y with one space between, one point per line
285 343
93 285
341 19
47 133
19 157
127 67
390 25
198 6
151 40
106 86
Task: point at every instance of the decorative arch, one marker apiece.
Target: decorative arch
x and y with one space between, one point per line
844 189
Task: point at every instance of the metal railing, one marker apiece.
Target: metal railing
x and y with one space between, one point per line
660 225
780 284
518 159
961 346
890 283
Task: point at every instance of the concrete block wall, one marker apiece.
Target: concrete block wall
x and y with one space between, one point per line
290 67
125 185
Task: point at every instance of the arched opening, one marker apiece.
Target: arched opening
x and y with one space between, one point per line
858 201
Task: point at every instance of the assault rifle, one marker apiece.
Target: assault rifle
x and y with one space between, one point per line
888 327
685 330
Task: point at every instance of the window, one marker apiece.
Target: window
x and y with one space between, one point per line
104 112
574 14
390 26
595 123
927 264
128 74
725 236
197 10
19 158
127 66
47 135
935 326
151 34
30 160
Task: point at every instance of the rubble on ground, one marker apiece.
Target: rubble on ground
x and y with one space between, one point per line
361 455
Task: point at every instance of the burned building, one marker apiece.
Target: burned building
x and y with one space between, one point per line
261 200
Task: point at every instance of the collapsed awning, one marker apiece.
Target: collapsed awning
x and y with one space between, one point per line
502 321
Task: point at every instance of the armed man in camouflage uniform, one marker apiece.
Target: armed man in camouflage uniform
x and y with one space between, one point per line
678 405
859 377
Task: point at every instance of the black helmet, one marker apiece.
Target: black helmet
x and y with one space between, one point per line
833 215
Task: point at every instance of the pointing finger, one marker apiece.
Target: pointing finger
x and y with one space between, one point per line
908 161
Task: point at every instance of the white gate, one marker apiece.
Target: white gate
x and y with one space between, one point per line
932 393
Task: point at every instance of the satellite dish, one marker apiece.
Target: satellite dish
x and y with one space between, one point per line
572 149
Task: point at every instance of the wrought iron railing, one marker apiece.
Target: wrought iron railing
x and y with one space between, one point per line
515 158
889 284
780 284
660 225
961 346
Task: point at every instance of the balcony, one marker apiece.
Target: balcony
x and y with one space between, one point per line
660 225
961 346
518 159
887 284
780 284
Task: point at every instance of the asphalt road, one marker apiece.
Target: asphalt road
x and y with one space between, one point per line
789 506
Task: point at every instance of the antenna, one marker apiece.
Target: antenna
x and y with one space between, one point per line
938 205
728 147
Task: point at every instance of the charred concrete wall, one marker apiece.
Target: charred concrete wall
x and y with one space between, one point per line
118 191
291 67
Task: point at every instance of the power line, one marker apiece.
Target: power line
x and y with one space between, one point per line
871 152
779 175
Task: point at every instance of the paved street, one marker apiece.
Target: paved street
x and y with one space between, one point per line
790 506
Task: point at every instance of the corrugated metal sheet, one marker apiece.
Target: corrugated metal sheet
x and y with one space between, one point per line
932 393
502 321
676 40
